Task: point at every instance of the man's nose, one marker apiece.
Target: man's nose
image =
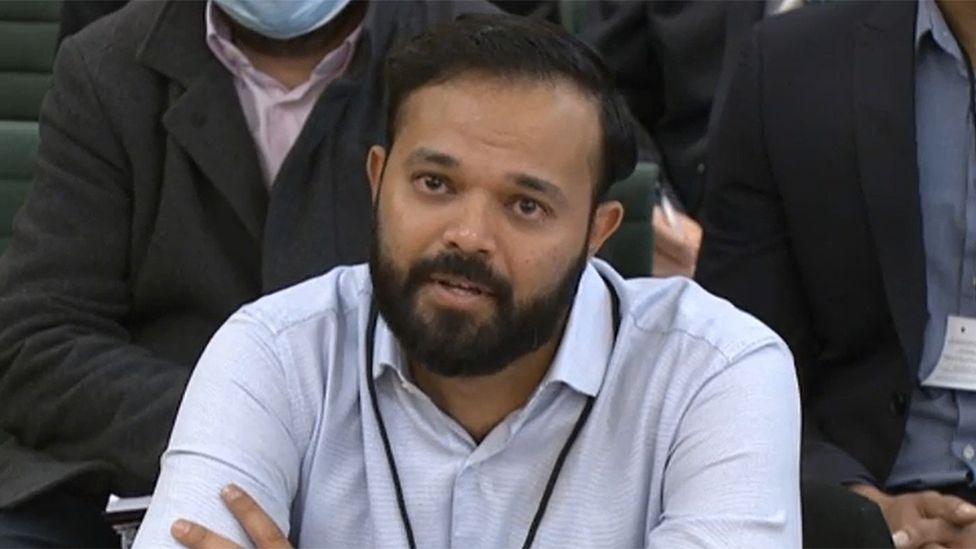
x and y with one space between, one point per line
472 229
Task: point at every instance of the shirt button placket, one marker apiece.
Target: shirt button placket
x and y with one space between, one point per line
464 526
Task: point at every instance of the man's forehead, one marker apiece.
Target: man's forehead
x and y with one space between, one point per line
489 91
550 119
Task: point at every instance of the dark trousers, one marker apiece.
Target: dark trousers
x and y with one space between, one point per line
57 519
835 517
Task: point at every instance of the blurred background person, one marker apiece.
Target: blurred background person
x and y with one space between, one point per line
77 14
672 60
841 210
193 156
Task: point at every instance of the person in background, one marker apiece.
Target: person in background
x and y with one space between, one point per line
547 10
78 14
841 211
672 61
193 157
483 381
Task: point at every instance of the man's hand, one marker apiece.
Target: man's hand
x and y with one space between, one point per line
675 247
262 531
925 519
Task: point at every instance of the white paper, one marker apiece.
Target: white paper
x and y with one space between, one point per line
956 368
121 505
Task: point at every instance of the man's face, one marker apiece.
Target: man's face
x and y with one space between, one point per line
484 219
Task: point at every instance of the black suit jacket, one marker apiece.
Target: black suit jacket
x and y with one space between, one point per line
78 14
149 223
670 59
812 220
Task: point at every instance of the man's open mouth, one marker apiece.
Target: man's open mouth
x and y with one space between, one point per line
461 284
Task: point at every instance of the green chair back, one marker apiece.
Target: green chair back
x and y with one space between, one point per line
631 249
28 39
571 14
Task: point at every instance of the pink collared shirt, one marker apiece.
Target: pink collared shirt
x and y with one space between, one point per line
274 114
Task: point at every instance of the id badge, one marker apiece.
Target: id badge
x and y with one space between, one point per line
956 368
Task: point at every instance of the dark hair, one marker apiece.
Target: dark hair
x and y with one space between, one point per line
511 46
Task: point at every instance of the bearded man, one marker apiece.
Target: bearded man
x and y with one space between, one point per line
484 381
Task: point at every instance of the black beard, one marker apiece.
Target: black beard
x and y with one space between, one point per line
451 343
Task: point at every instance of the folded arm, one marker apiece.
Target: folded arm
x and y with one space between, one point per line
237 425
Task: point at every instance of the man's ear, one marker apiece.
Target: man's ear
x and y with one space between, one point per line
375 162
606 221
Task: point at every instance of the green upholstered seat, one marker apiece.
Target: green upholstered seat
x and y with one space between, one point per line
630 249
18 147
20 94
31 10
571 14
28 39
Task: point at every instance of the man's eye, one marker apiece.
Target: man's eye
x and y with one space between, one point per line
433 184
529 208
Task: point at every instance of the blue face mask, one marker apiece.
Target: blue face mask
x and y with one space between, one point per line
282 19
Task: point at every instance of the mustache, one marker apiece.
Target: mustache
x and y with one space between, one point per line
461 265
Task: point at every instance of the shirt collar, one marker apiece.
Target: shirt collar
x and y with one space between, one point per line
582 357
219 41
387 354
930 22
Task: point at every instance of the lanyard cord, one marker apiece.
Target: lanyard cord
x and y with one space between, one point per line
370 335
557 467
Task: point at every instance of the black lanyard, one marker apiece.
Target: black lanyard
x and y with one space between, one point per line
556 469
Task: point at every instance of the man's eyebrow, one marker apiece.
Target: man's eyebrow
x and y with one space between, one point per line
539 185
425 155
